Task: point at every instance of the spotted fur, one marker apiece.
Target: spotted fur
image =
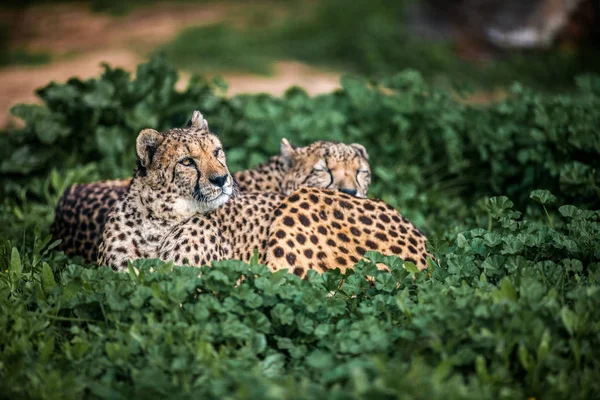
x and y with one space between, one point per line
319 229
81 212
311 228
180 173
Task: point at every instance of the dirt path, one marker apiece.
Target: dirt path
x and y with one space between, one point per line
81 41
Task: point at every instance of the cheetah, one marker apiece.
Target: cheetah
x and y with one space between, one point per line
81 212
328 165
182 206
80 215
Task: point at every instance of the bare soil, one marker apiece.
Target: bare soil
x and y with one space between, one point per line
80 41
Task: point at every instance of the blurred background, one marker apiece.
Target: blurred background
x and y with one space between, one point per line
268 46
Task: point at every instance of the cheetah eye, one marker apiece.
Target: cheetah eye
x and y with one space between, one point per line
217 152
363 171
320 166
187 161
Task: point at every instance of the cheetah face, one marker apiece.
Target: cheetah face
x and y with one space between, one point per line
186 167
327 165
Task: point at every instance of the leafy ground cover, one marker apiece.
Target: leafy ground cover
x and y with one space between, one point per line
508 194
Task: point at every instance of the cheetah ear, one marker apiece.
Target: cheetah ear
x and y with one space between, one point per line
198 121
286 148
361 149
287 151
146 145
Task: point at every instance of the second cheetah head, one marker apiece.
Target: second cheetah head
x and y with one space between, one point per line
327 165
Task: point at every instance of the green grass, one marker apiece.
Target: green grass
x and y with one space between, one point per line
366 38
219 48
23 57
10 56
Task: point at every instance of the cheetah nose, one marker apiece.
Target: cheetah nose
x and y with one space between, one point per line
218 181
351 192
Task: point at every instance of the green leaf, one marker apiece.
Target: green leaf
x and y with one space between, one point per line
283 314
113 351
320 360
304 323
255 257
259 343
461 241
49 131
481 367
411 267
272 365
569 319
569 211
47 349
385 282
525 358
253 300
499 205
15 265
543 197
48 281
506 292
492 239
544 346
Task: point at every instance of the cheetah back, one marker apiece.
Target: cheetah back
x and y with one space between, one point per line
320 229
81 214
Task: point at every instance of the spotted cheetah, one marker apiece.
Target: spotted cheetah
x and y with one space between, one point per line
163 216
180 173
319 229
329 165
81 212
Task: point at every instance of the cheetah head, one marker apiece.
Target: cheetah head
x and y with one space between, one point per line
327 165
185 167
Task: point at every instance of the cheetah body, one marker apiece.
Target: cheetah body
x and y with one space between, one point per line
312 228
316 229
82 210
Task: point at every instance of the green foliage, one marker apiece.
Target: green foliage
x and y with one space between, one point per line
508 194
431 154
220 48
511 312
368 37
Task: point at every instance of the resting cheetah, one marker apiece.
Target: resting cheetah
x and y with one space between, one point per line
163 217
81 211
328 165
319 229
